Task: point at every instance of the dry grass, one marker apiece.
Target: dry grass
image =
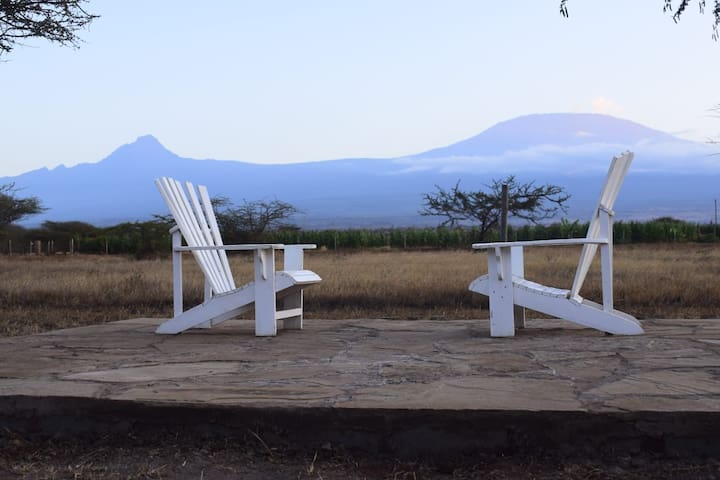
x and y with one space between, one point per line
651 281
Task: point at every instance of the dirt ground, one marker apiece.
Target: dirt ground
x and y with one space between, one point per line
193 458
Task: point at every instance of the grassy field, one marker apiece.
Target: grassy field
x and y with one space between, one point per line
651 281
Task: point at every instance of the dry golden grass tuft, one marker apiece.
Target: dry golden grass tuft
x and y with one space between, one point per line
651 281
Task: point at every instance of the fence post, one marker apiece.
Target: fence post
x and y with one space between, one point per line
504 201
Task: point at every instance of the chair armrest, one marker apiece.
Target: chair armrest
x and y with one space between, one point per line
248 246
303 246
294 256
540 243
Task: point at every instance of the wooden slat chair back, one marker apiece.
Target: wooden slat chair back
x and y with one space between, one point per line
601 222
275 295
510 292
197 222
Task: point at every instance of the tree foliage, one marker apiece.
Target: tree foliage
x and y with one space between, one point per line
526 201
676 10
54 20
247 222
13 208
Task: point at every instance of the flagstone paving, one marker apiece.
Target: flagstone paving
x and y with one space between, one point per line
376 365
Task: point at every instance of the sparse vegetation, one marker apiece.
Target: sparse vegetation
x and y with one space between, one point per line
249 221
13 208
40 293
483 209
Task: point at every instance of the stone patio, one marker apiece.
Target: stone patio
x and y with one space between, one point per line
410 387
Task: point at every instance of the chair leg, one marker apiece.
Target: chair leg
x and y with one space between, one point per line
502 311
208 295
265 308
294 300
518 270
177 274
519 315
293 260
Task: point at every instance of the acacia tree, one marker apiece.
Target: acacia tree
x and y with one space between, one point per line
675 11
13 208
54 20
248 221
526 201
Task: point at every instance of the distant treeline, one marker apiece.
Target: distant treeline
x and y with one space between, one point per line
655 231
148 239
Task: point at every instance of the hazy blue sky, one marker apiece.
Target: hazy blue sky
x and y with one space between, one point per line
290 80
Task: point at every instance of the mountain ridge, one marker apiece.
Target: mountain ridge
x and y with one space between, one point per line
548 128
384 192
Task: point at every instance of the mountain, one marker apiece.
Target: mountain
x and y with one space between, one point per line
530 131
669 176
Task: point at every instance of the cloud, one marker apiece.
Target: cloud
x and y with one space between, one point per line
573 159
606 106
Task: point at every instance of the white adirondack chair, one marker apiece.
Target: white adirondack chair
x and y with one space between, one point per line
275 295
510 292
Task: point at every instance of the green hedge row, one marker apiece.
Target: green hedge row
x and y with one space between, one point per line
656 231
151 238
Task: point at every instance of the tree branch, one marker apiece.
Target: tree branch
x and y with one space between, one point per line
526 201
54 20
676 12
